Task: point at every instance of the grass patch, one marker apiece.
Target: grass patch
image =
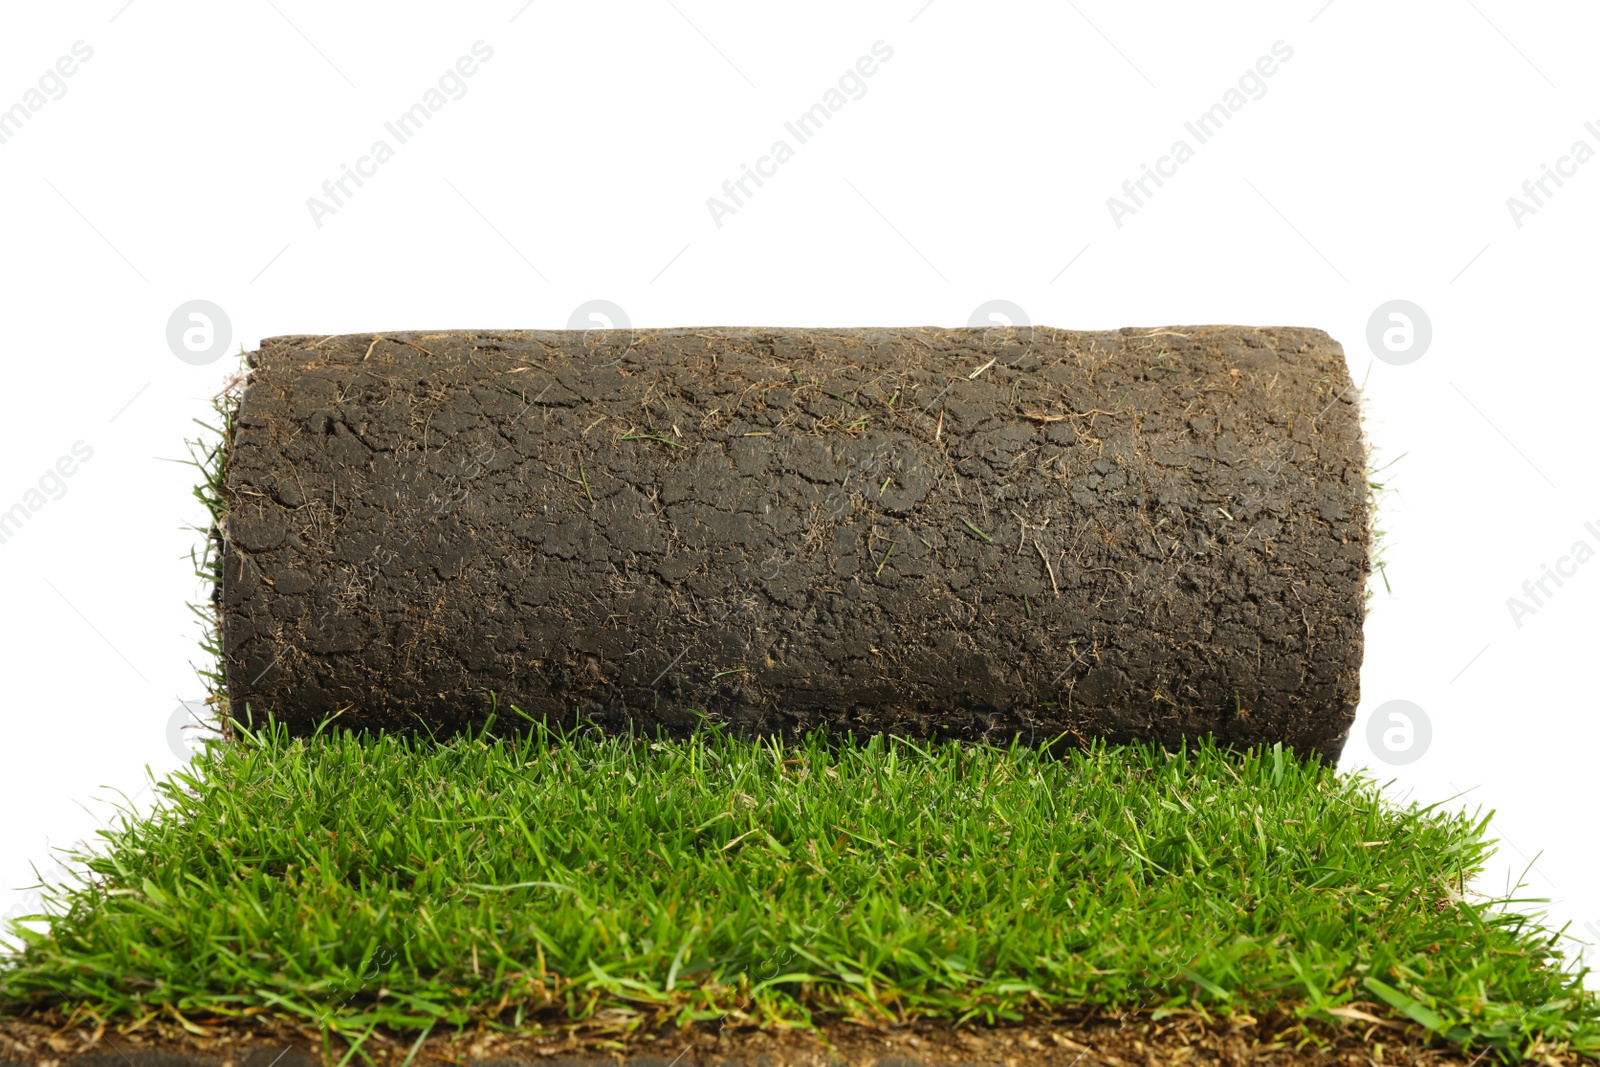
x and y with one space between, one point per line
351 881
208 454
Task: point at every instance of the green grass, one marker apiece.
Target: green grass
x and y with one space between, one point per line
208 454
354 882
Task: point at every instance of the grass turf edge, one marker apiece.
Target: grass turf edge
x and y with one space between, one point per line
1092 1039
354 882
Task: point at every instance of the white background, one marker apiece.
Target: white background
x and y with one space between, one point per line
977 166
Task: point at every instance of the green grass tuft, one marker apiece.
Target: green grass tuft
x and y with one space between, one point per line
352 881
208 454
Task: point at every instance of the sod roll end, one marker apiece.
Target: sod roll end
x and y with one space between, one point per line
1143 533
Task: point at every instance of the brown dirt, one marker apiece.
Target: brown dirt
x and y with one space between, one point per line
1126 1041
1152 534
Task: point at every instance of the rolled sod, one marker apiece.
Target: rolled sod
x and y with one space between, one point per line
1134 534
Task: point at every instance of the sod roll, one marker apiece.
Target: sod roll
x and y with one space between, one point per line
1135 534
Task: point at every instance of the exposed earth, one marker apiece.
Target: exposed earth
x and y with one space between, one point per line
1129 1041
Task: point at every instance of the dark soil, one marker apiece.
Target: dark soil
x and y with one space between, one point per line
1154 534
1119 1041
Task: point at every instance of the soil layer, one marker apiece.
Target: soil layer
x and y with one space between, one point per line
1130 1040
1134 534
